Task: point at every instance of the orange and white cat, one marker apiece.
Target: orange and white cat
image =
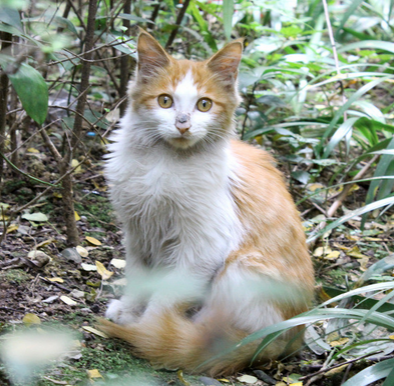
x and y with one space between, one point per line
215 249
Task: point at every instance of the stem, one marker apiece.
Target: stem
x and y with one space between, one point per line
67 183
7 39
124 62
177 23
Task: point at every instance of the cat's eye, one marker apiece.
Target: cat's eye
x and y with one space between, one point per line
204 104
165 101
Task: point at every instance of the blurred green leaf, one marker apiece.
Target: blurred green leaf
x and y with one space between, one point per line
30 87
228 11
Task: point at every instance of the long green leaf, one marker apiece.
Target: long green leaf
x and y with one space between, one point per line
350 11
380 170
228 11
11 16
342 131
390 379
368 44
359 93
31 89
347 217
371 374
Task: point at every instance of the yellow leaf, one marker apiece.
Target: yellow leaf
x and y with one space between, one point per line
94 331
94 374
104 273
32 150
74 164
30 319
391 337
339 342
332 255
343 247
76 215
313 187
82 251
56 279
12 228
45 243
57 195
296 384
92 240
337 370
224 380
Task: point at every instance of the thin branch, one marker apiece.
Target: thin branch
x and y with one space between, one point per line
178 22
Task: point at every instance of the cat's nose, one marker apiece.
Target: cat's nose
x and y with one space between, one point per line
183 123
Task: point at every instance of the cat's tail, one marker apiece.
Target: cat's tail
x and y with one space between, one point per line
174 342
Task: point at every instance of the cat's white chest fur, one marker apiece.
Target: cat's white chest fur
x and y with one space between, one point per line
176 208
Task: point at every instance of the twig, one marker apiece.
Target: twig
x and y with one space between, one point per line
177 23
334 49
24 173
337 203
337 365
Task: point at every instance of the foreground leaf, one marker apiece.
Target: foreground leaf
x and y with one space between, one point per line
31 89
371 374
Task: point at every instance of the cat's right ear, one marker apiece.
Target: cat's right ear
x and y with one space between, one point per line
151 55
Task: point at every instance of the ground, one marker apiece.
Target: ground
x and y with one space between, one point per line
65 289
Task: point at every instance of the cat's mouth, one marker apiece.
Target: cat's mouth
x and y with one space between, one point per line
182 142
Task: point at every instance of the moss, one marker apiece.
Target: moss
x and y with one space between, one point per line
15 275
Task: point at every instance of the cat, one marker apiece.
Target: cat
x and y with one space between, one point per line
215 249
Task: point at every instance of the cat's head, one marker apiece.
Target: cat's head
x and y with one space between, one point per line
183 102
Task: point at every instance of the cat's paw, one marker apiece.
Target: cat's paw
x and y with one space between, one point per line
123 311
114 310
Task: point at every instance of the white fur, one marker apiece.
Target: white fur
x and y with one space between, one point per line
175 205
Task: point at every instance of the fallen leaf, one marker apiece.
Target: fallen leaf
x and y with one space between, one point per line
122 281
332 255
88 267
339 342
32 150
95 331
92 240
104 273
76 216
296 384
30 319
320 251
118 263
337 370
82 251
57 195
56 279
77 294
37 217
224 380
75 164
182 379
51 299
12 228
45 243
250 379
94 374
68 300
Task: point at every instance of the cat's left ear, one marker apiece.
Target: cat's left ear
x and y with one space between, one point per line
226 61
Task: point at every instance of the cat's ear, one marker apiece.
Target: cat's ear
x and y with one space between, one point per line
226 61
151 55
